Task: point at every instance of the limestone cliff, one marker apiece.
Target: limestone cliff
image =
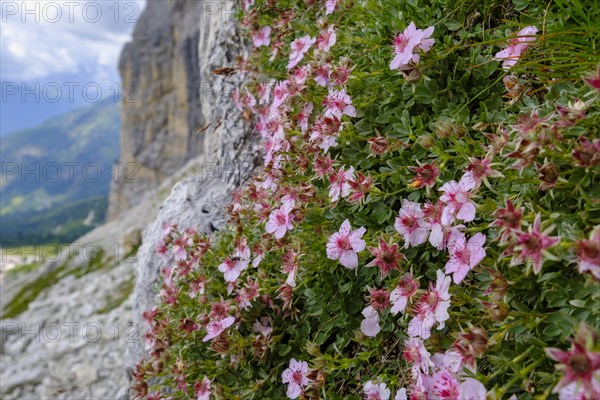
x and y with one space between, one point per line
160 111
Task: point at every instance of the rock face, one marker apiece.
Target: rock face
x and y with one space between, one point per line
229 158
172 56
160 108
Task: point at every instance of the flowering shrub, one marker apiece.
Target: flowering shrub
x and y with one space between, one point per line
426 223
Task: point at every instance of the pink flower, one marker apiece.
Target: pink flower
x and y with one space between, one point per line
326 39
303 117
216 327
197 286
280 93
330 6
379 298
296 377
338 103
263 91
516 47
432 308
433 214
450 361
340 74
263 326
400 296
247 294
588 254
478 170
262 37
416 354
179 248
247 4
575 391
580 364
458 202
425 175
299 47
323 166
401 394
593 79
202 389
533 243
361 186
446 385
339 183
464 256
373 391
508 220
443 386
325 130
323 73
587 153
407 44
411 224
370 325
232 267
344 244
280 220
472 389
387 257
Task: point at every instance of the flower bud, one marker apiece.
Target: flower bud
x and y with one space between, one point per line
220 344
496 311
426 141
443 129
548 174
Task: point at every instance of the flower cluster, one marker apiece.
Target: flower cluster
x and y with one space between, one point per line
413 235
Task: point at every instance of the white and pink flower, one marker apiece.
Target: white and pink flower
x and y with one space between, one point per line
411 224
370 325
345 244
339 183
299 47
262 37
407 46
432 308
232 267
296 377
516 47
464 256
338 103
405 290
457 199
202 389
374 391
326 39
280 220
416 354
330 6
588 254
216 327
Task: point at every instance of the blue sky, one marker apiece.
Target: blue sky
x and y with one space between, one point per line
64 51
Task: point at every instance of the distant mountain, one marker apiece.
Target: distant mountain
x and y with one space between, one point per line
28 104
56 176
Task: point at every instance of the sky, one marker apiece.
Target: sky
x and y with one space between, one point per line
56 55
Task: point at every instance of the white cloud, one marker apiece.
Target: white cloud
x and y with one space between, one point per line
45 37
